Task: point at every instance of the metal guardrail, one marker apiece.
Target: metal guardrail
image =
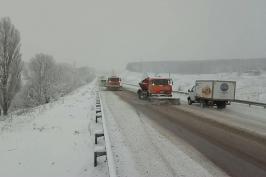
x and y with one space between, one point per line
251 103
130 84
110 157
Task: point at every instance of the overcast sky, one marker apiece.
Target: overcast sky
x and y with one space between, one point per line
110 33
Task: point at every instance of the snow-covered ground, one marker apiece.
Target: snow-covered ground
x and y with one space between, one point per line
55 139
249 87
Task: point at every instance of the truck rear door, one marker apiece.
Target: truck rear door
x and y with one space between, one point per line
224 90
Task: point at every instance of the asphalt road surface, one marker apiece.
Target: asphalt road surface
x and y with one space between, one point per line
238 152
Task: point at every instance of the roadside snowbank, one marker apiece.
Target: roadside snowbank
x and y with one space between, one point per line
52 140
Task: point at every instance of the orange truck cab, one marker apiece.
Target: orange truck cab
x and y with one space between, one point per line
155 86
113 83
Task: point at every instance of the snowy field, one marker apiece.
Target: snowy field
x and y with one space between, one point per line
248 87
55 139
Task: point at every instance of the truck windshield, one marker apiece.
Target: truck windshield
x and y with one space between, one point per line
161 81
114 79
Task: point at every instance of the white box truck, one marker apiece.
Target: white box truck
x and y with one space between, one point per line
212 93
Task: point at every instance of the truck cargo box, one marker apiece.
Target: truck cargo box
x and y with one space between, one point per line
215 89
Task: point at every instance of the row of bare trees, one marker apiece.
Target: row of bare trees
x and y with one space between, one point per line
43 79
47 80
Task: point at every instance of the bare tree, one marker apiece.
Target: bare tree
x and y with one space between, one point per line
41 73
10 63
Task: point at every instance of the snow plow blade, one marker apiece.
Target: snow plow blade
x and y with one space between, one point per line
165 100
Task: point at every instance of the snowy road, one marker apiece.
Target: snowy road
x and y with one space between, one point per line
227 147
140 149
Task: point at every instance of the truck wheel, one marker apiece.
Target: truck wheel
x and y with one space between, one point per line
140 94
146 95
189 101
203 103
221 105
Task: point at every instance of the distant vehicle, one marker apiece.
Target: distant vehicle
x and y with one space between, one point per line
102 81
157 88
113 83
212 93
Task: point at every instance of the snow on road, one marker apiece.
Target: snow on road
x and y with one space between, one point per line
52 140
140 150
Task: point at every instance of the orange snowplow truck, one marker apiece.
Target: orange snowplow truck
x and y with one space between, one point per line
113 83
155 87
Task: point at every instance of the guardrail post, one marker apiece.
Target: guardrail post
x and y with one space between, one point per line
97 135
97 117
100 151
